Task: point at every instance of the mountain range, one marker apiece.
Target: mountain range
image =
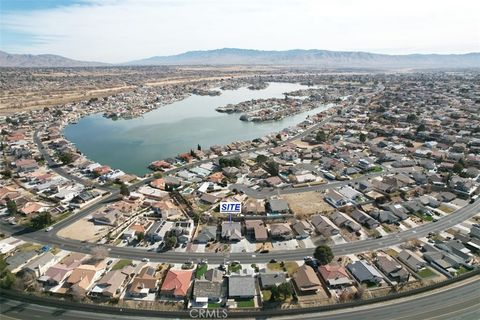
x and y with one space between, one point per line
231 56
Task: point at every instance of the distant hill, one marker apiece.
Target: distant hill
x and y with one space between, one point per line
229 56
42 60
319 58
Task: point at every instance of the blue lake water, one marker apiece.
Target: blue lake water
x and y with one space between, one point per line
130 145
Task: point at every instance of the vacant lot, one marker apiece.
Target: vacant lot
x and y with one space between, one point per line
84 230
306 204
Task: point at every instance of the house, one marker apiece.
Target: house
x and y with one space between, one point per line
335 276
158 231
241 287
411 261
109 216
254 207
364 219
205 291
392 269
364 272
183 230
397 210
176 284
335 199
281 231
342 222
384 216
111 284
322 226
271 279
302 228
306 280
278 206
82 277
209 198
144 283
231 231
166 208
206 234
19 258
40 264
256 230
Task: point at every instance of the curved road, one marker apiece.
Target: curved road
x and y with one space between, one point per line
459 301
298 254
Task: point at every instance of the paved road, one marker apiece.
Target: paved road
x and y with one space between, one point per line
297 254
459 301
269 192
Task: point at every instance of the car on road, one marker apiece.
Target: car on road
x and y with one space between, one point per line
48 229
146 260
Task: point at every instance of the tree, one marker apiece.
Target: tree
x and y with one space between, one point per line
458 167
321 136
421 128
140 236
411 117
275 294
65 157
272 168
199 147
41 221
230 162
323 254
285 289
12 206
362 137
192 153
124 191
261 158
7 173
170 242
7 279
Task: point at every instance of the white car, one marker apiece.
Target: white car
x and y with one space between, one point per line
48 229
146 260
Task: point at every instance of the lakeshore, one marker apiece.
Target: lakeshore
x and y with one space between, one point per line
131 144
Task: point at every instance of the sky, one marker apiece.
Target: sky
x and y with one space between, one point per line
124 30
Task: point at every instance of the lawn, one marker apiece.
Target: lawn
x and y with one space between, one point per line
275 266
201 269
446 209
246 304
234 267
29 247
266 295
376 169
291 267
462 270
213 305
424 217
426 273
391 252
62 216
121 264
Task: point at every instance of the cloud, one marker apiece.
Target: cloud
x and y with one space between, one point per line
121 30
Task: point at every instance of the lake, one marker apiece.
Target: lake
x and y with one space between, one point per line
131 145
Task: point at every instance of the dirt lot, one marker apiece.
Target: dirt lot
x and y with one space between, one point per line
306 204
84 230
